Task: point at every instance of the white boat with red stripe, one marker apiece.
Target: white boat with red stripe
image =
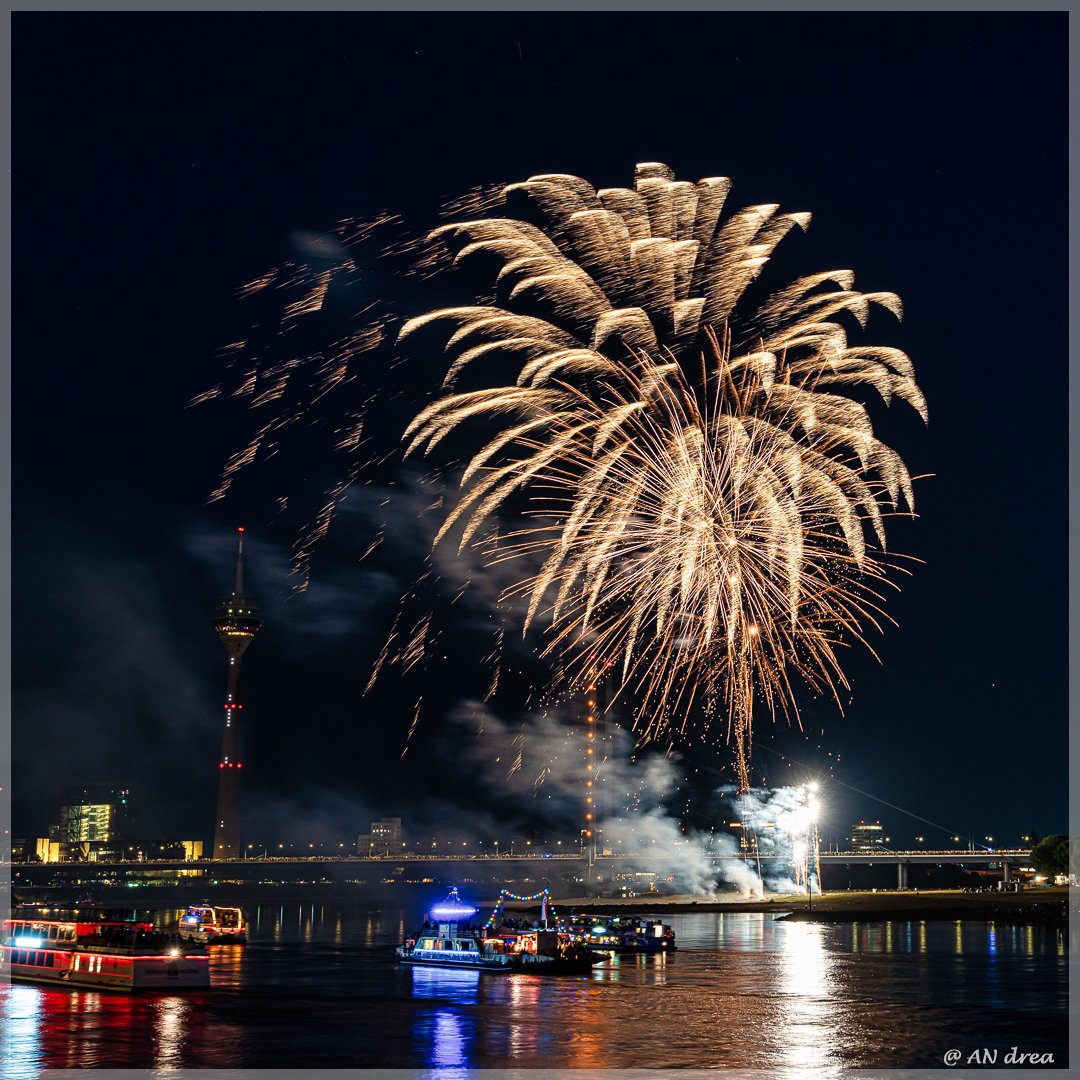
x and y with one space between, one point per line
100 948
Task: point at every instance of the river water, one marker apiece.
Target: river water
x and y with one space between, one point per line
317 987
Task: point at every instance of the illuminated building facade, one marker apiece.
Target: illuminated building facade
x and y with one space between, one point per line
867 836
81 824
97 814
236 623
385 837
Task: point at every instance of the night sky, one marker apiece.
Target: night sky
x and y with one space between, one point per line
161 161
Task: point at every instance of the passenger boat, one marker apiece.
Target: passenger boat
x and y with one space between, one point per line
88 946
620 935
214 925
449 940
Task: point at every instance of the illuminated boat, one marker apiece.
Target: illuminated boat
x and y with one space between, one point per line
619 935
453 942
450 944
87 947
214 925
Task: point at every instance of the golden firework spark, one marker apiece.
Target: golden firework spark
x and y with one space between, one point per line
704 482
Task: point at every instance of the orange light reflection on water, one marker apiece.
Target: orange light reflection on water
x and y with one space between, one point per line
226 966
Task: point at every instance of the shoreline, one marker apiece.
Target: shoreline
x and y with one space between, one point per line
931 905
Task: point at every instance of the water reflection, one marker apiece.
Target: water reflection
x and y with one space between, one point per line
522 1014
22 1031
169 1032
453 984
449 1048
227 966
749 991
805 1012
441 1036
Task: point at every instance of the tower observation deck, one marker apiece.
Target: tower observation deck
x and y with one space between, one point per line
236 622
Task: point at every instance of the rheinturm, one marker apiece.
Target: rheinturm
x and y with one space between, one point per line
236 622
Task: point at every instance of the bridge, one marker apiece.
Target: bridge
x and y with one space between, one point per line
649 860
902 860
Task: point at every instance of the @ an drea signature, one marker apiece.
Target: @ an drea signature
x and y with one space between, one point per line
989 1055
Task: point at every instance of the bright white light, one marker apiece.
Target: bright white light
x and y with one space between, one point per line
28 942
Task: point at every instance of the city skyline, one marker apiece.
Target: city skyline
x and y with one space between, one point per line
117 556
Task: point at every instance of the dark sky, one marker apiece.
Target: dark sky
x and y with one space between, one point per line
160 161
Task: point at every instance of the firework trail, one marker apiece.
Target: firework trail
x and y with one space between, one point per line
703 483
704 498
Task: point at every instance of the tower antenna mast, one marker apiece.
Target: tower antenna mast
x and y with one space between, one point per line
236 622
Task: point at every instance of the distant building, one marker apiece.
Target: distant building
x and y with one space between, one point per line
47 850
384 838
98 815
867 836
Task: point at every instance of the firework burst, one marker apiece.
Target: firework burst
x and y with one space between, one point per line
704 483
703 494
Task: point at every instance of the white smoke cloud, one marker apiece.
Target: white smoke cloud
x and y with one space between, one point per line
534 766
779 821
537 763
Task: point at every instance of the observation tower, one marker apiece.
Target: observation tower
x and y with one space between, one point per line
236 622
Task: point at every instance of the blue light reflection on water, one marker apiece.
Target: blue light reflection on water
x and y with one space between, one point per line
317 987
21 1018
453 984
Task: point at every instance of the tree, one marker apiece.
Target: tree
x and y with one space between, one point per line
1051 856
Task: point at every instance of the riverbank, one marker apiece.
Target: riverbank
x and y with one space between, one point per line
1028 905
